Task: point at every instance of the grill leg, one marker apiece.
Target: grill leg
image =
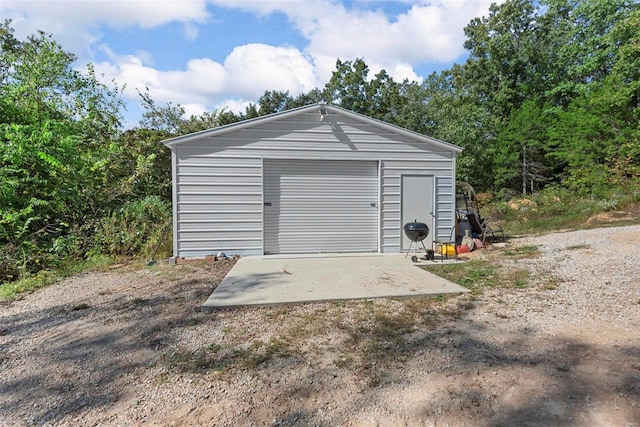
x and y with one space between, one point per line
414 244
409 250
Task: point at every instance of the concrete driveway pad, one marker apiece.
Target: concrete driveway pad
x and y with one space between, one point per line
272 280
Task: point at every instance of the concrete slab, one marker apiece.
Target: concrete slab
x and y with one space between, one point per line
273 280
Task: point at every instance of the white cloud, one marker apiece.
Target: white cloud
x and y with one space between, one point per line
75 23
190 31
201 79
422 32
116 14
428 32
247 72
253 68
233 105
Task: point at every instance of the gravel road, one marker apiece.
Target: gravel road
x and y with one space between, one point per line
130 347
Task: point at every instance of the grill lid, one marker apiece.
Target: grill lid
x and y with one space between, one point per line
416 231
416 226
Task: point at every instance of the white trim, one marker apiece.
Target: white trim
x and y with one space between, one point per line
262 202
174 201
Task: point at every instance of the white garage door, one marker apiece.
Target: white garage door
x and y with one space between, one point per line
313 206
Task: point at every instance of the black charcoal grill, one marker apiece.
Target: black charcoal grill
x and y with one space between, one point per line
416 232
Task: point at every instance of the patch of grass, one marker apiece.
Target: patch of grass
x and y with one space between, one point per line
522 252
578 247
473 275
518 277
557 208
384 336
173 272
551 283
30 283
221 358
13 290
477 275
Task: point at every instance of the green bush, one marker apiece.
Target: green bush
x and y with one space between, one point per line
135 229
558 207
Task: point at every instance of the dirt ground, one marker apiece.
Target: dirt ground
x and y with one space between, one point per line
130 347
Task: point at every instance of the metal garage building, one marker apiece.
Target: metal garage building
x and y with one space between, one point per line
315 179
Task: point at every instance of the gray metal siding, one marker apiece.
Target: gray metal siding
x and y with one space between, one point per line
306 137
319 206
445 207
218 191
220 204
391 203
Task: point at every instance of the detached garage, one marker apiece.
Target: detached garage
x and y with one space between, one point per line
316 179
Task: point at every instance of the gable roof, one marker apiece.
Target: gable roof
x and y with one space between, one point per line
218 131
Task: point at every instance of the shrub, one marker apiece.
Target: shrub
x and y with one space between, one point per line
133 230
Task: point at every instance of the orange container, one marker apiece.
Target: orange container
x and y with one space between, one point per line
463 249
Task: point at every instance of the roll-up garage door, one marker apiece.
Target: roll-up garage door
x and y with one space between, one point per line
313 206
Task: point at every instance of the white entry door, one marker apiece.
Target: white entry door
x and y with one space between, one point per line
320 206
417 205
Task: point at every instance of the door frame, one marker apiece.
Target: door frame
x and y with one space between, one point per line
431 223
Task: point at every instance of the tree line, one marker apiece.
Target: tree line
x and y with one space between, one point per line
548 96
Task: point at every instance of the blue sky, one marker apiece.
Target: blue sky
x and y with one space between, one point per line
208 54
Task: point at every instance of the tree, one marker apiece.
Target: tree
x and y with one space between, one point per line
455 114
507 62
54 130
350 87
520 155
167 119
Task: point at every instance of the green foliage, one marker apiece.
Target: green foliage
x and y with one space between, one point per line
561 78
136 165
32 281
520 154
557 207
507 55
27 284
351 88
458 117
134 229
54 123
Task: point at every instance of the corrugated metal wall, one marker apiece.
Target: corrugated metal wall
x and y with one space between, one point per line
218 180
392 172
320 206
219 203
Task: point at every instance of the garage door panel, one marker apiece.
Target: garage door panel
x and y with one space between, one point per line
320 206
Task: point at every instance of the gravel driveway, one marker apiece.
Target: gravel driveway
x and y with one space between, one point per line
130 347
